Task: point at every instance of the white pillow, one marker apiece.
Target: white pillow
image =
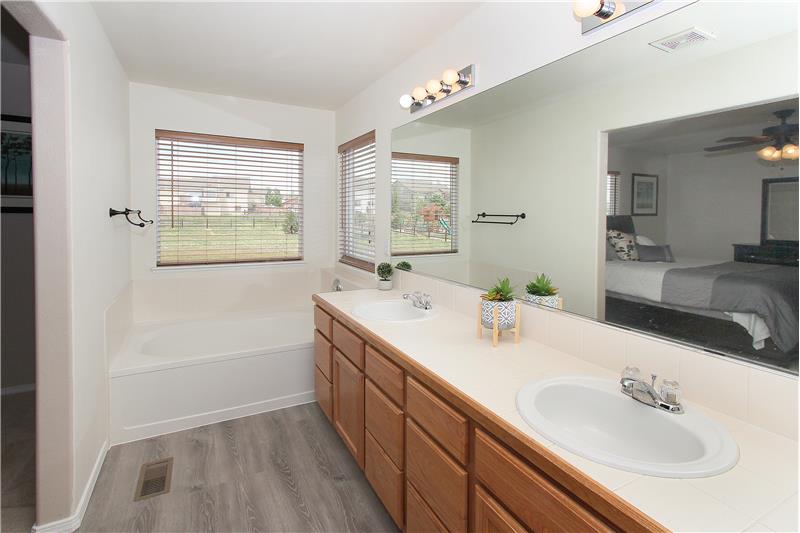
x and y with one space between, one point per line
645 241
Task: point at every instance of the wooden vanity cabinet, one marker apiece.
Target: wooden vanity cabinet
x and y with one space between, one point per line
323 361
430 458
348 405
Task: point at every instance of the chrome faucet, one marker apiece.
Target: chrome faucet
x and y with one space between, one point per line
337 285
420 300
641 391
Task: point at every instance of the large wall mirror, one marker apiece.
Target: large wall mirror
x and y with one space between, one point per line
659 189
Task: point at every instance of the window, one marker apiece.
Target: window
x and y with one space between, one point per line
357 202
612 193
424 204
228 200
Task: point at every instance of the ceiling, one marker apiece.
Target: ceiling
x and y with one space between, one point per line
627 56
694 134
310 54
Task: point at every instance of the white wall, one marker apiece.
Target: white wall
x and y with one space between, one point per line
628 162
715 201
182 292
100 248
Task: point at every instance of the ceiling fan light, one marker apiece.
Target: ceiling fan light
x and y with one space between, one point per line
789 151
769 153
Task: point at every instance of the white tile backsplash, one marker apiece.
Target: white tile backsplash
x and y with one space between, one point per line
762 398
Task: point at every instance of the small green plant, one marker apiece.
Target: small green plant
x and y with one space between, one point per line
501 292
403 265
290 224
384 271
541 286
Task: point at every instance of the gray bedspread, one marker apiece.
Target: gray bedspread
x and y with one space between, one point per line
770 291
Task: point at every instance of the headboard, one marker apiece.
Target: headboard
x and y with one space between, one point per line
623 223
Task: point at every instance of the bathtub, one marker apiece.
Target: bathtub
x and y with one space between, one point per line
170 376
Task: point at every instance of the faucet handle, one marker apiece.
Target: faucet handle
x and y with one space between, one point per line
671 391
631 372
653 380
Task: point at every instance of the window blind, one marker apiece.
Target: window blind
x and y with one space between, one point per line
612 193
424 204
228 199
357 202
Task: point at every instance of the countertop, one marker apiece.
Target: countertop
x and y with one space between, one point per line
758 494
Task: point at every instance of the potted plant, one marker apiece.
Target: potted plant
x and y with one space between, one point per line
403 265
500 297
541 291
384 272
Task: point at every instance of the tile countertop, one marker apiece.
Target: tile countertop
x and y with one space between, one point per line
758 494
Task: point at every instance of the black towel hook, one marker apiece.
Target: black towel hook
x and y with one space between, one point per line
127 212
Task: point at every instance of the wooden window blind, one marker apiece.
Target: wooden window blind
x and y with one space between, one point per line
612 193
228 199
424 204
357 202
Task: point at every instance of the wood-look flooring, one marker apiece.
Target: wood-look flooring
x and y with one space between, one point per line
282 471
18 430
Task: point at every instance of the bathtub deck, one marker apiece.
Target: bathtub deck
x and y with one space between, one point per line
285 470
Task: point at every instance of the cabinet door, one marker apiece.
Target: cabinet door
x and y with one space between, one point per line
322 389
348 405
490 517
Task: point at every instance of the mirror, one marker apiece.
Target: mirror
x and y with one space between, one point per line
614 138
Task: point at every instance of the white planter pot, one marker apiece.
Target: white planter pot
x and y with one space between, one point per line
547 301
506 314
384 284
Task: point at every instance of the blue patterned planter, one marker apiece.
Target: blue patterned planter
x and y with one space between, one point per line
547 301
506 314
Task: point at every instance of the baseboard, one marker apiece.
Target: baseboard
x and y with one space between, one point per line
18 389
73 522
163 427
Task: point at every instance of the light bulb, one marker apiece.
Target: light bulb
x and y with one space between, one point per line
433 86
586 8
769 153
450 76
406 101
789 151
419 93
619 9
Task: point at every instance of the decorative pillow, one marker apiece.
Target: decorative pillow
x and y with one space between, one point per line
655 254
624 244
647 241
611 253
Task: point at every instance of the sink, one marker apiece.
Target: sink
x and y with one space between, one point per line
392 311
592 418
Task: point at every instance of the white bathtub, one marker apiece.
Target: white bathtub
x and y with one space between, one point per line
171 376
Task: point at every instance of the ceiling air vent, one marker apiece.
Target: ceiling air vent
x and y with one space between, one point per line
682 40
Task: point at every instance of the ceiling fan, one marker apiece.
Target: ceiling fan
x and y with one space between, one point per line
781 140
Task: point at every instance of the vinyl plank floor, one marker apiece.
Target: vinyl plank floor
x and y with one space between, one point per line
282 471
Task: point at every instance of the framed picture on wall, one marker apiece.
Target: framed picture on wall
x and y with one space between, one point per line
644 195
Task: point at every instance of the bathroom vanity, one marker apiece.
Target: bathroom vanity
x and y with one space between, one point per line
438 459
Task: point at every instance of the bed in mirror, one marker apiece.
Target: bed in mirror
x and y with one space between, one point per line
648 203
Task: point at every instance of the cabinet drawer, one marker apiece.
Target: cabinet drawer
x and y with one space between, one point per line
323 322
386 479
488 516
385 374
348 405
540 504
419 517
385 421
440 481
443 423
323 353
349 344
324 393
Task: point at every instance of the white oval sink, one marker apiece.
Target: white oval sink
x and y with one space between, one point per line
593 418
392 311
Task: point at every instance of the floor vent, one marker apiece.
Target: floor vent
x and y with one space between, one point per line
154 479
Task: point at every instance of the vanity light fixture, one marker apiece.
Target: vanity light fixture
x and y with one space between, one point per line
604 9
434 90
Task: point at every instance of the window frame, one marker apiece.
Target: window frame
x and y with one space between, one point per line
454 201
345 251
212 139
613 194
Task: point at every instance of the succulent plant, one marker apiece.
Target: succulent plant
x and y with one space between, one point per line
541 286
501 292
403 265
384 271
